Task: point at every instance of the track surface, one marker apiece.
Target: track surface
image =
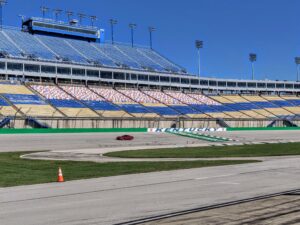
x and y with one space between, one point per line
284 209
125 198
106 141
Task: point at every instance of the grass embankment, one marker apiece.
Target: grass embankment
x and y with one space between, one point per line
15 171
214 152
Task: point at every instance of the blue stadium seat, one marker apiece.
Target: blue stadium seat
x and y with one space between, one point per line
65 103
98 105
24 99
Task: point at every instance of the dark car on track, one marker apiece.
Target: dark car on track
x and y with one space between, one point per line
125 138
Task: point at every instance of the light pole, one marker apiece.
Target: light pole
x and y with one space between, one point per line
297 61
151 30
57 12
93 20
252 59
69 15
112 24
199 45
2 3
132 26
81 17
44 11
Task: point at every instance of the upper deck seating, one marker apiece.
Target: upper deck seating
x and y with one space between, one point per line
166 64
141 59
116 55
26 101
92 53
263 103
173 103
29 45
124 102
8 47
64 102
94 101
20 44
62 49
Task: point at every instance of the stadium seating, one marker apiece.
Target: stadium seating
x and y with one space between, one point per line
193 103
263 103
18 44
29 45
160 60
64 102
283 103
6 109
150 103
26 102
124 102
62 49
141 59
8 48
226 108
92 53
181 108
94 101
246 107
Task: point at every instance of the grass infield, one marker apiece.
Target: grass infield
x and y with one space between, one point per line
214 152
15 171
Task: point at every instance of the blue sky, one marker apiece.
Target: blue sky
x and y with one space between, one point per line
230 29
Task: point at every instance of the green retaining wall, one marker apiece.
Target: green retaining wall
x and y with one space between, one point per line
261 128
66 130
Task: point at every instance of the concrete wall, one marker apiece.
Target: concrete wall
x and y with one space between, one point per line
144 123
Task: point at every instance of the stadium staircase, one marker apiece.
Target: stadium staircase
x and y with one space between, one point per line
34 123
5 122
221 122
282 122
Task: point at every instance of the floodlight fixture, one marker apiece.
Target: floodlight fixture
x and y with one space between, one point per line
69 15
297 61
93 20
44 10
57 12
81 17
252 59
199 45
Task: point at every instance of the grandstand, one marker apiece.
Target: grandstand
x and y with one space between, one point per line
70 73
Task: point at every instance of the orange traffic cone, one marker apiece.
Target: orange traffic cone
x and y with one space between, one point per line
60 177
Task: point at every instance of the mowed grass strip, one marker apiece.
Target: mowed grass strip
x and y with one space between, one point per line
214 152
15 171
